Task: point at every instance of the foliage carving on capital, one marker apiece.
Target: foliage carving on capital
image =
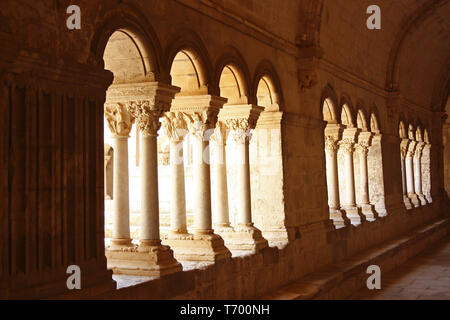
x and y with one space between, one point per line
418 151
403 151
174 125
347 145
331 144
120 121
240 129
199 122
147 115
363 147
220 135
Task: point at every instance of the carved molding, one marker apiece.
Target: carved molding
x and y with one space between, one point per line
240 129
120 121
174 125
147 115
199 122
219 136
347 145
331 144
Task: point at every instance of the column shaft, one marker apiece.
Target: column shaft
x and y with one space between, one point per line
332 179
243 173
221 192
178 197
363 177
349 192
149 200
121 220
409 174
202 218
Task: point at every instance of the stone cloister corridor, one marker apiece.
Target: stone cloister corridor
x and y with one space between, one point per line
223 149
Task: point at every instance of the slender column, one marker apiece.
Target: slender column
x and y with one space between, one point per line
200 115
403 152
175 128
331 147
147 116
242 136
218 140
349 199
417 161
427 167
120 123
410 174
364 141
245 236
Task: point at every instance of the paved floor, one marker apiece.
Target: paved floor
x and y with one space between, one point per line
424 277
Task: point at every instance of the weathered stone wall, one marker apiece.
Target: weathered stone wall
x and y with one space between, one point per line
52 90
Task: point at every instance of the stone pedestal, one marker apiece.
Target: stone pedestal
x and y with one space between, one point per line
150 259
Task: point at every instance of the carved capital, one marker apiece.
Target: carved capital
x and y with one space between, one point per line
219 136
199 122
362 147
147 114
331 144
419 148
240 129
120 121
403 151
347 146
174 125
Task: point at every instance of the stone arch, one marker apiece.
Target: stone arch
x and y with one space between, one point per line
402 130
266 79
361 120
346 116
374 124
328 103
419 15
347 113
426 137
232 77
411 132
189 46
418 133
131 21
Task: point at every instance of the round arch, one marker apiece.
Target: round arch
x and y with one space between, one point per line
328 103
232 78
187 52
132 22
266 86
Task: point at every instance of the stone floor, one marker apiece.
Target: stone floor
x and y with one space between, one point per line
424 277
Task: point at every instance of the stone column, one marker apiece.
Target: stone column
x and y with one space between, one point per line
417 162
348 201
332 136
120 122
200 113
403 151
150 258
218 139
426 172
175 128
241 119
410 174
364 141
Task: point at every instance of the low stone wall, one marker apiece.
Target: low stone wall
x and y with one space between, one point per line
314 248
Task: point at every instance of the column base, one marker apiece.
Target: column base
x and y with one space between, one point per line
422 199
149 259
204 246
368 210
244 238
428 198
120 244
339 218
414 199
408 203
354 214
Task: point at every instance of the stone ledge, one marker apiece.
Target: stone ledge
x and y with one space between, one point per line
338 281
